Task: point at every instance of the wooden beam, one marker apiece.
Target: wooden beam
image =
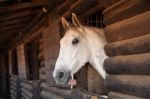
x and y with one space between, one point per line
13 27
124 9
128 28
20 6
15 21
131 46
138 64
117 95
35 20
65 6
19 14
8 35
10 31
137 85
2 1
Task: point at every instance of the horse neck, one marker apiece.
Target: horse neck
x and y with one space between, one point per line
96 43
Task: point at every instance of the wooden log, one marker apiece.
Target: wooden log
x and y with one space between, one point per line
20 6
26 86
41 41
83 5
128 28
116 95
13 96
42 64
131 46
13 92
58 91
25 96
13 83
13 27
124 9
26 92
50 95
27 82
41 48
41 56
20 14
138 85
35 21
65 6
130 64
43 77
42 24
15 21
13 88
94 81
42 70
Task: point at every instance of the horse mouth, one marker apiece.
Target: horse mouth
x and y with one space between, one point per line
72 82
68 80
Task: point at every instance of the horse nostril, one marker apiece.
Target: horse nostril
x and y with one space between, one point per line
61 75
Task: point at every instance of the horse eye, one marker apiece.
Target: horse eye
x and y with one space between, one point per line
75 41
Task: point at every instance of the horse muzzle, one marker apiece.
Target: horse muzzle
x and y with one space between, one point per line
61 77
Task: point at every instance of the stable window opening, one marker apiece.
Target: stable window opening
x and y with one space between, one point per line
14 62
32 61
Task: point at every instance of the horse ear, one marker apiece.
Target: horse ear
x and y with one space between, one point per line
75 20
64 23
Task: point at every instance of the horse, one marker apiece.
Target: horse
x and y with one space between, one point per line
80 45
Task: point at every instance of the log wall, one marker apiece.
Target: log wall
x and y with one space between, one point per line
128 48
127 32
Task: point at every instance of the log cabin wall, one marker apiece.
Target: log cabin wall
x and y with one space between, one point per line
21 86
52 36
127 32
127 24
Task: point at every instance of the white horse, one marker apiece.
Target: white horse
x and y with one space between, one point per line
81 44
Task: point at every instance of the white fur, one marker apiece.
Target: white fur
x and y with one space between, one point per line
89 49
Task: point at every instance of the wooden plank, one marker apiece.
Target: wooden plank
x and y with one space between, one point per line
26 92
26 86
58 91
13 27
15 21
20 6
107 3
129 64
42 64
41 48
95 83
128 28
41 56
50 95
34 21
125 9
116 95
23 95
23 13
43 23
138 85
65 6
2 1
42 77
131 46
83 5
